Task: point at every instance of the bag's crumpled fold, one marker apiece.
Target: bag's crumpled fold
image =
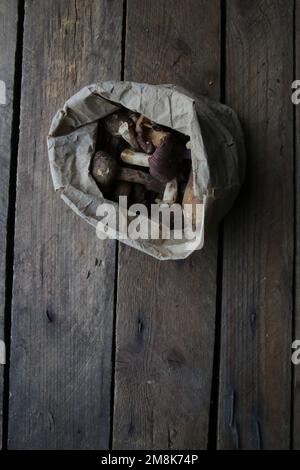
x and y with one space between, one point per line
217 151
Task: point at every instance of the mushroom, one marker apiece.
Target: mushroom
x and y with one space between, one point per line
189 197
104 169
165 161
135 158
120 124
170 193
144 142
149 134
155 135
164 164
137 176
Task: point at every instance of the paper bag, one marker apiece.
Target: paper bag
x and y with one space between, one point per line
216 143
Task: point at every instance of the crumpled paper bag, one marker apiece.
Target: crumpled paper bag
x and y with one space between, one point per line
217 151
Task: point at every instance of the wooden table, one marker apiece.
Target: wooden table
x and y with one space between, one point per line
106 347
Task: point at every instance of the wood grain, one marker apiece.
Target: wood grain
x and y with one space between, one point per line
63 292
166 310
296 404
255 373
8 37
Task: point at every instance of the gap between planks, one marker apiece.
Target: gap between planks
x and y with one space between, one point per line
11 212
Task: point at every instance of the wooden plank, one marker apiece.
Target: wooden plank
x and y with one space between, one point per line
296 404
63 286
166 310
255 371
8 40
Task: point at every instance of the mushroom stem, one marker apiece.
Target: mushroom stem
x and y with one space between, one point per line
135 158
170 193
138 176
189 197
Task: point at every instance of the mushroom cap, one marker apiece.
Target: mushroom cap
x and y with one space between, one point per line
141 135
164 164
104 169
119 123
145 144
113 121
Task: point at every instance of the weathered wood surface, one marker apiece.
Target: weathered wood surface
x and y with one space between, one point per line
63 296
296 407
166 310
255 380
8 39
